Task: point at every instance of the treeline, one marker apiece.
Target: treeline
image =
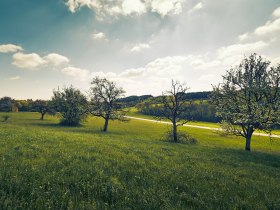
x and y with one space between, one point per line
195 111
199 108
7 104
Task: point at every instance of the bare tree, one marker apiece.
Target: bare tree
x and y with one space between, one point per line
174 105
249 98
104 96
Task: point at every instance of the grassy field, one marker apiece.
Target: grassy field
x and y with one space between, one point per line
47 166
133 113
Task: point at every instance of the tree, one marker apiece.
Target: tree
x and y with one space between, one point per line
71 104
174 105
248 97
6 104
43 107
104 96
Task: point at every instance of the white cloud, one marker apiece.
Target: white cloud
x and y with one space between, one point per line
243 37
269 27
80 74
14 78
34 61
276 13
99 36
103 9
197 7
133 72
166 7
140 47
109 75
56 59
240 49
28 61
7 48
133 6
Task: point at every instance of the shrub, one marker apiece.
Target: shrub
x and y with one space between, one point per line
71 104
183 137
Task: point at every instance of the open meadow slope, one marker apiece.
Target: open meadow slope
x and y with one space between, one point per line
44 165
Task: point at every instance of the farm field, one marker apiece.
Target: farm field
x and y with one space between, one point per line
44 165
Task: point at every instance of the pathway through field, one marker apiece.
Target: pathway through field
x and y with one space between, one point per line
196 126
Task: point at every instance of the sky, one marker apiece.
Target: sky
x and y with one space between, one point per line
140 44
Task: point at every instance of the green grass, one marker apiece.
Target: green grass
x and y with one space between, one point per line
46 166
133 113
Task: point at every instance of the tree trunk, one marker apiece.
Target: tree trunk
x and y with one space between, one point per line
248 140
106 125
175 137
42 116
248 144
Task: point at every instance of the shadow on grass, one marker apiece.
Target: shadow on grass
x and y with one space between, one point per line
256 157
81 129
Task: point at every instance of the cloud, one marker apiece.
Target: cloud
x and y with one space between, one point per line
80 74
14 78
103 9
240 49
133 6
133 72
243 37
28 61
270 29
56 59
276 12
197 7
166 7
10 48
99 36
140 47
34 61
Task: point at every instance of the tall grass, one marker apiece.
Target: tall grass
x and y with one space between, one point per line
46 166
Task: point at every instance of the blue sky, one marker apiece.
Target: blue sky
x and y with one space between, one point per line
140 44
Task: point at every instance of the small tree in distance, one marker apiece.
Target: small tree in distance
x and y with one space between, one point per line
43 107
249 98
104 96
174 105
71 104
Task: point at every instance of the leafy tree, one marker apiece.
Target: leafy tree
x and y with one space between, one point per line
43 107
174 105
104 96
71 104
6 104
248 98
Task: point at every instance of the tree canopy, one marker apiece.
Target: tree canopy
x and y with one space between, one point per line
249 97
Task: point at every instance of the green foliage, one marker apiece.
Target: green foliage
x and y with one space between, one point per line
195 110
6 104
47 166
249 97
104 100
71 104
43 107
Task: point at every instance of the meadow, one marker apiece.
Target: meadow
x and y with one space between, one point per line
48 166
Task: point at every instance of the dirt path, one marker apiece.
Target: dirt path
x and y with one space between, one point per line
197 126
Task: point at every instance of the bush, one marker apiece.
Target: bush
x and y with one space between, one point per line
5 118
183 137
71 104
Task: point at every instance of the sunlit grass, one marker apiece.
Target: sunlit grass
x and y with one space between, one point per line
44 165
